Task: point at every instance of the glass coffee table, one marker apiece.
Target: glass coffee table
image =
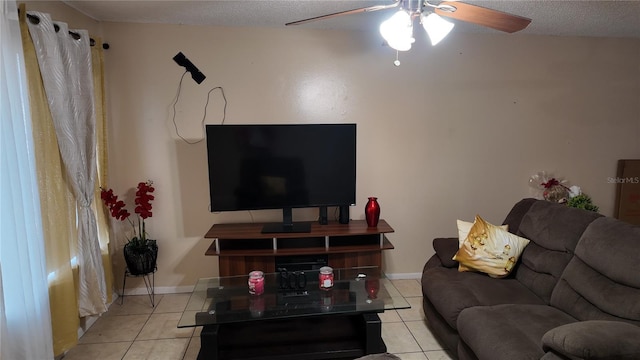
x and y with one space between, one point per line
293 318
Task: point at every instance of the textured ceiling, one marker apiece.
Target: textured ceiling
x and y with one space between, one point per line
610 18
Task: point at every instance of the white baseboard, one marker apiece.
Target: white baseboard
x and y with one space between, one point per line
402 276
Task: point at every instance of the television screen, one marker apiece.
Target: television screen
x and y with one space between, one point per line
253 167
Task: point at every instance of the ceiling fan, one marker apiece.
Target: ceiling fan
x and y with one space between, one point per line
398 30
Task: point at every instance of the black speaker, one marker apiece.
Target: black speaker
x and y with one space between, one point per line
344 214
323 219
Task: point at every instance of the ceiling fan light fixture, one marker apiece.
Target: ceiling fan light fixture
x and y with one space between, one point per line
436 27
398 31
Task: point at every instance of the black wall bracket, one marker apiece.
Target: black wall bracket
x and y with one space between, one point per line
182 60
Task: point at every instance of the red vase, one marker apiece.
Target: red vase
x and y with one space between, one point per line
372 212
372 286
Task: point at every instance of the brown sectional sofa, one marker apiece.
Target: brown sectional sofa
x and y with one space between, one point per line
574 294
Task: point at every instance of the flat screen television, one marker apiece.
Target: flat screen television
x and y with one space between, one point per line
257 167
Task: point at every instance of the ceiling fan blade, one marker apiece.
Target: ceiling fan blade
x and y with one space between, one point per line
347 12
482 16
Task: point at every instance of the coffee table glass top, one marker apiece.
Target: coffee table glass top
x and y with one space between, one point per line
220 300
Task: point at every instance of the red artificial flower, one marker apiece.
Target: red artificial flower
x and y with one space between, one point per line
116 207
143 200
552 182
143 208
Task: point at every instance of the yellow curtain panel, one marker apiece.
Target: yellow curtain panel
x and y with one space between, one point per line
102 217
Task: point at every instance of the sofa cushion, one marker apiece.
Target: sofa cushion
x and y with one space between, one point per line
447 335
555 226
601 282
450 291
445 249
489 249
595 340
464 227
554 231
508 331
517 212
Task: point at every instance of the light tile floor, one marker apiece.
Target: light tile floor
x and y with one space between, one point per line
136 331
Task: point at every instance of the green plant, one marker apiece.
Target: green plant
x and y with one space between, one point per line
582 201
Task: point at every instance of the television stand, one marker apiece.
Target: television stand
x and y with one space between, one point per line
297 227
242 248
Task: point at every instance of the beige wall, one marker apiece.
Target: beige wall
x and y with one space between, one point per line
456 130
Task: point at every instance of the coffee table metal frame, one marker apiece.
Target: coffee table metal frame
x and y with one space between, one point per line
287 323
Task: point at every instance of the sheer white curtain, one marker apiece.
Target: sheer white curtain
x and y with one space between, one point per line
25 320
64 59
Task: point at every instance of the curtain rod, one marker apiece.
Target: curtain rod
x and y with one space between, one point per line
36 20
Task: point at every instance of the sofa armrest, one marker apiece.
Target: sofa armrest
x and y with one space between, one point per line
445 249
594 339
553 356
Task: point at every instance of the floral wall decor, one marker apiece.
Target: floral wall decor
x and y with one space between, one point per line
556 189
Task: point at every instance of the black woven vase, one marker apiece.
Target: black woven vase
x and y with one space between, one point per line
141 260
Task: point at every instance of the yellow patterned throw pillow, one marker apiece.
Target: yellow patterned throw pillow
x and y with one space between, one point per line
489 249
463 231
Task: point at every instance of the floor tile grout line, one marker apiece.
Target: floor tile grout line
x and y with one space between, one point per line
190 339
413 335
128 348
140 331
164 338
409 329
184 355
155 312
146 321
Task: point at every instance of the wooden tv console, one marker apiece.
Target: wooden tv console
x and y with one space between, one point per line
242 248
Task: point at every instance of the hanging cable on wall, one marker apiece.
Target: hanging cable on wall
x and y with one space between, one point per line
198 77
